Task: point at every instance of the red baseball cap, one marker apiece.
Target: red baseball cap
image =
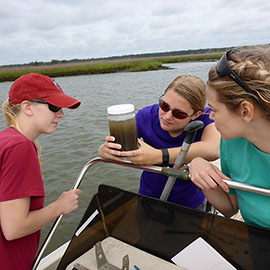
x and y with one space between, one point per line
36 86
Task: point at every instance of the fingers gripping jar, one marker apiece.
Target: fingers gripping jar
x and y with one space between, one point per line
122 125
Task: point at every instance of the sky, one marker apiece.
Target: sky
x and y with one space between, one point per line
45 30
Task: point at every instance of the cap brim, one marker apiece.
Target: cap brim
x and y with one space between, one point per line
62 100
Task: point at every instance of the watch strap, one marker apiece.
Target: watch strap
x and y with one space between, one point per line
165 157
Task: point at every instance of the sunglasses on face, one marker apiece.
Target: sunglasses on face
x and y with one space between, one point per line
164 106
51 107
223 69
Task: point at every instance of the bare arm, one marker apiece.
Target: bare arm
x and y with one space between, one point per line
207 148
209 178
17 221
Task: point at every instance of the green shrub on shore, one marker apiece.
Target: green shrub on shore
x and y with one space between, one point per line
98 67
10 74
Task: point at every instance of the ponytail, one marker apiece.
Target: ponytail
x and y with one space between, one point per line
10 112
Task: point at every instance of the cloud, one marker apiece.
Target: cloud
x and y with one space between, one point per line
39 30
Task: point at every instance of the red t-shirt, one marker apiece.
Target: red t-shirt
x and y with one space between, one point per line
20 177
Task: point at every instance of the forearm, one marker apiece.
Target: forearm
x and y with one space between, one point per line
221 201
198 149
17 221
204 149
207 147
39 218
31 222
209 179
155 158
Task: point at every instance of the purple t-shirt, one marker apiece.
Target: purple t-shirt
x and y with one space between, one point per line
152 184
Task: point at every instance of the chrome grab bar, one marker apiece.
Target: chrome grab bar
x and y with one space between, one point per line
246 187
181 172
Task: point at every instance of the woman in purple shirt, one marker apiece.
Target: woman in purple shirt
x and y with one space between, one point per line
161 126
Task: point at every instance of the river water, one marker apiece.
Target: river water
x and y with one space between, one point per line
80 133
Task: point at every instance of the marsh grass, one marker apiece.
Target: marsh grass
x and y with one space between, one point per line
99 67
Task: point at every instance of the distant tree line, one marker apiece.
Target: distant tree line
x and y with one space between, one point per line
130 56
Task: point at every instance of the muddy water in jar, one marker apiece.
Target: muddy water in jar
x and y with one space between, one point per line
125 133
122 125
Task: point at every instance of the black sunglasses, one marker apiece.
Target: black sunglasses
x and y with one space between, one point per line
223 69
164 106
51 107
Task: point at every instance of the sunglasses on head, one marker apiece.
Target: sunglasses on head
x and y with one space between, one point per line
164 106
223 69
51 107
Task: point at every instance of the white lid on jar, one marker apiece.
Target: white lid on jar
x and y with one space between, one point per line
120 109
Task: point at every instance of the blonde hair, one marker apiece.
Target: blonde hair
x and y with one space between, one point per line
192 88
10 112
253 68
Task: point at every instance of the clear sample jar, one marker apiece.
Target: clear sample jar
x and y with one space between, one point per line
122 125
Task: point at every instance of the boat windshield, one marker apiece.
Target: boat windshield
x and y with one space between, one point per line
163 229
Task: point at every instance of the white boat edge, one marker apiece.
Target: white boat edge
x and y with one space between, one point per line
51 261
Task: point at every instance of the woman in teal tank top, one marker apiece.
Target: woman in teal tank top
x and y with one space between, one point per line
238 91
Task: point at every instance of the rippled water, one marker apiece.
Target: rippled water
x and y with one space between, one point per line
80 133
